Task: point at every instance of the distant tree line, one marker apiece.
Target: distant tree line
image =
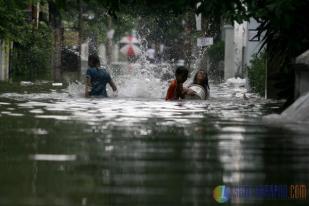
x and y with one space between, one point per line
283 23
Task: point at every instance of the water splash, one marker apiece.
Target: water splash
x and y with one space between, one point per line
75 89
144 80
138 80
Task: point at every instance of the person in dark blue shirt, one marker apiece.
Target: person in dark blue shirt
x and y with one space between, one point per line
97 78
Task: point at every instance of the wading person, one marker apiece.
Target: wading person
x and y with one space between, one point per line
97 78
200 79
176 90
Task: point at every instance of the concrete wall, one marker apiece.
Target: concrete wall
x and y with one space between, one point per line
301 68
229 71
84 58
240 47
301 82
253 45
240 42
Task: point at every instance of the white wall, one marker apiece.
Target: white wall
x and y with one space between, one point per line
252 46
239 49
102 54
84 57
229 71
240 35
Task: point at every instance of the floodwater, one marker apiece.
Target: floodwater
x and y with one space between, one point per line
62 149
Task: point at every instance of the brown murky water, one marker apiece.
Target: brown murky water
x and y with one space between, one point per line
62 150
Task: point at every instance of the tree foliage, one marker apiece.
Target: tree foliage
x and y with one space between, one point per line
256 73
283 23
280 19
31 59
216 58
12 19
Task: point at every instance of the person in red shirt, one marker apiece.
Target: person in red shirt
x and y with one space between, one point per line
176 90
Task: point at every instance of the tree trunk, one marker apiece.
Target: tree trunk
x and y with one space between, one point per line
56 25
109 43
56 58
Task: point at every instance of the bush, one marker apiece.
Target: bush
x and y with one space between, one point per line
257 73
216 57
31 57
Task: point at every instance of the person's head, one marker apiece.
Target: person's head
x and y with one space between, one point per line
93 61
201 78
181 74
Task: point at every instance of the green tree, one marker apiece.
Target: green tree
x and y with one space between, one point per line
31 59
257 73
12 19
216 58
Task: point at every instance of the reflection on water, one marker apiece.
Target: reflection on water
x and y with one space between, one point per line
59 149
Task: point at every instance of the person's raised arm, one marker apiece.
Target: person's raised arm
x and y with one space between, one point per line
111 82
113 85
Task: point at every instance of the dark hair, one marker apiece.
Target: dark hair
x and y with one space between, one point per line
181 70
205 83
93 61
